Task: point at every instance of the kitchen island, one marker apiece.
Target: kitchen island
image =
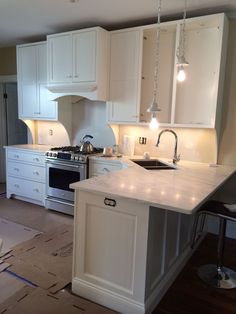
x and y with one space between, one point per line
132 231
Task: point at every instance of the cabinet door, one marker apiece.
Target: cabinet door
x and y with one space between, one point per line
124 76
166 67
60 58
84 56
47 108
27 81
196 97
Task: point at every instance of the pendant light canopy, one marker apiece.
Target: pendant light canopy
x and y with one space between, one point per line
154 107
181 61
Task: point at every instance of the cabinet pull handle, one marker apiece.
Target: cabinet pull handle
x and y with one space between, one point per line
107 170
69 76
36 159
76 75
36 190
109 202
17 169
16 185
16 156
36 173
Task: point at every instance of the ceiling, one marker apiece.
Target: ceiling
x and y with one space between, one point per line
24 21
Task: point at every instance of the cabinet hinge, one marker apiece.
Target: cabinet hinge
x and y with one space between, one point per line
5 95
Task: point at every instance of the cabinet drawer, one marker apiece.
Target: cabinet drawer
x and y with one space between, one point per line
98 168
26 171
26 157
29 189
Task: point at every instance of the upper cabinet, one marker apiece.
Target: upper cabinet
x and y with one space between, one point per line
33 95
196 102
77 63
124 76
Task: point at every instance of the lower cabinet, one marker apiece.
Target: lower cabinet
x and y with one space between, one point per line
126 253
99 166
25 173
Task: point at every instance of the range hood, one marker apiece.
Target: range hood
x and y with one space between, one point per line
87 90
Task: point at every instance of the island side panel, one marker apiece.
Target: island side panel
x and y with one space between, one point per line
110 251
168 251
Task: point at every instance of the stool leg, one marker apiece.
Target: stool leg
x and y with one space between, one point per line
217 275
221 240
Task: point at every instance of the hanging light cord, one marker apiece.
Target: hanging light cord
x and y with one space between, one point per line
158 33
181 49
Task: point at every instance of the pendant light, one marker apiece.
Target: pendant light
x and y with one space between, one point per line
181 61
154 107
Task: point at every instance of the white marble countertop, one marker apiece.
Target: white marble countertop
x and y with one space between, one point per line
31 147
181 190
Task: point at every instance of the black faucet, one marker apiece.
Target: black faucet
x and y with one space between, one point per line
175 157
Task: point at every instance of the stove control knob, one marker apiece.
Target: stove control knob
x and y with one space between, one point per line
76 157
72 157
54 154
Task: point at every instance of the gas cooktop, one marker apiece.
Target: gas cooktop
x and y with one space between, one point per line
71 153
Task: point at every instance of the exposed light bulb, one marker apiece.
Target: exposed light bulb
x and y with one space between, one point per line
153 124
181 76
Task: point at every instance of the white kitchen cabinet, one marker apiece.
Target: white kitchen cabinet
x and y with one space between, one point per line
25 173
126 252
197 101
33 96
77 62
98 166
125 58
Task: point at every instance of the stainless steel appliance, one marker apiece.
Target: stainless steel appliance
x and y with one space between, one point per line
64 165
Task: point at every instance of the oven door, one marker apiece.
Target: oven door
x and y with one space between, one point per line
60 175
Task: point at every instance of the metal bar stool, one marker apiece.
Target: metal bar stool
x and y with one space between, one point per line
215 275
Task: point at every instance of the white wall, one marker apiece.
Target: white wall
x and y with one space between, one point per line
89 117
193 144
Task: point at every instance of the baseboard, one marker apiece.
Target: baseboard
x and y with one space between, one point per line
106 298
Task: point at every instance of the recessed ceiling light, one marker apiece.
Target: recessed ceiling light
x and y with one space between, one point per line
74 1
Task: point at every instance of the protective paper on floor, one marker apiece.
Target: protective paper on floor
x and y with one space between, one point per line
45 260
38 301
12 234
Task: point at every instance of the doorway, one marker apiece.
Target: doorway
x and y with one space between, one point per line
12 130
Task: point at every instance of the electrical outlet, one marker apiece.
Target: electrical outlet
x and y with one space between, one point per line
142 140
50 132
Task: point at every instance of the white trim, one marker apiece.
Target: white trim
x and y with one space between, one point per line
106 297
167 281
8 78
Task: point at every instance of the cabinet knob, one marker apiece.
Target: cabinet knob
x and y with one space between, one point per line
109 202
69 76
76 75
16 169
36 159
36 173
36 190
105 169
16 156
16 185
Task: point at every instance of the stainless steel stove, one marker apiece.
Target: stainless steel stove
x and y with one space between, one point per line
65 165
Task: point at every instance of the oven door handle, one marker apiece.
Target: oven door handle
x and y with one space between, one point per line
64 165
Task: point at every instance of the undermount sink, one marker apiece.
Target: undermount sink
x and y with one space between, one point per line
153 164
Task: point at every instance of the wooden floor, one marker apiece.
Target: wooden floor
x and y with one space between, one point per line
188 294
